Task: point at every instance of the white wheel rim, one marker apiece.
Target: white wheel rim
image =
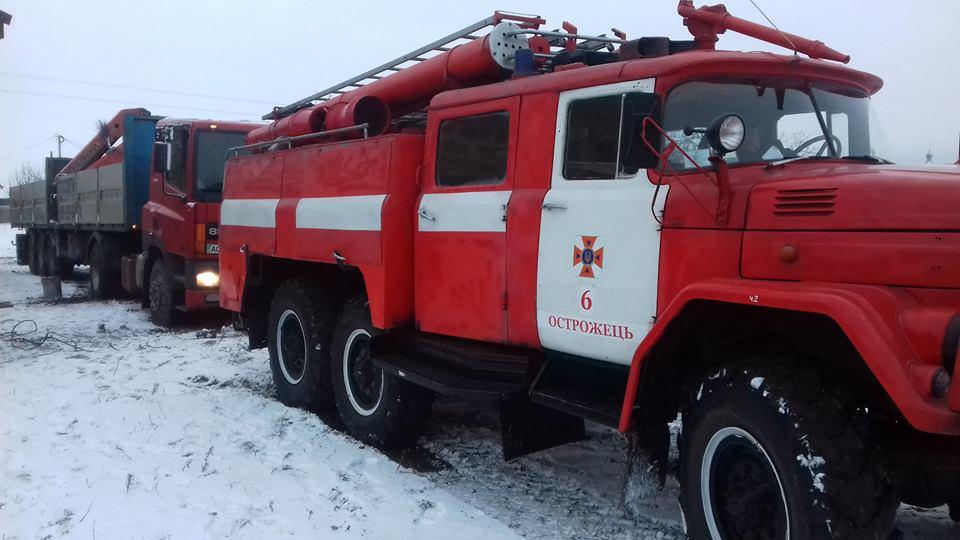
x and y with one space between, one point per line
360 409
283 365
706 471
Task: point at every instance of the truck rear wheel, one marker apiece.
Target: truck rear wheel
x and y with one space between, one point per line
34 245
48 256
52 265
377 408
768 451
160 292
298 337
104 278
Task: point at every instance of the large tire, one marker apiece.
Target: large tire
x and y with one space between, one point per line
34 247
300 323
163 312
377 408
769 447
104 274
48 256
65 268
51 264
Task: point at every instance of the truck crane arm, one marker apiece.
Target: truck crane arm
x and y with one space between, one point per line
106 136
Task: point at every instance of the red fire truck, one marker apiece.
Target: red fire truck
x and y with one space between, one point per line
618 230
139 204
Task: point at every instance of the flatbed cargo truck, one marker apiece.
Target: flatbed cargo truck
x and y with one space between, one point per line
139 204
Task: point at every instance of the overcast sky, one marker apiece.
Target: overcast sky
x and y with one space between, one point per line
66 64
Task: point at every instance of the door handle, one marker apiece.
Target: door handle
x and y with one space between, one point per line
423 213
549 206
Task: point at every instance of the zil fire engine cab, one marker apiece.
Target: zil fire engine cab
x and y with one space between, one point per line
139 204
618 230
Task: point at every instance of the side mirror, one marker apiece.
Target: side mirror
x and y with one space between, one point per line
726 133
161 157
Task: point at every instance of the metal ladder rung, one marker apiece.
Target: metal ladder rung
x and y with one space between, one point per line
441 45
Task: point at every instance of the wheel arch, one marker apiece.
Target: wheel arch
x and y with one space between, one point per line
265 273
153 254
709 322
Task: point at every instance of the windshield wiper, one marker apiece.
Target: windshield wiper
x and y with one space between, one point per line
782 162
872 159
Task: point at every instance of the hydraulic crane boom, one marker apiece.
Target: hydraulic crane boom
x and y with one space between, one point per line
102 141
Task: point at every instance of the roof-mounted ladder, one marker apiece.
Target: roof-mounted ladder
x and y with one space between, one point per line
441 45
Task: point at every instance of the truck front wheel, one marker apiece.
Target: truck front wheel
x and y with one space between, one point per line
376 408
298 337
162 310
770 451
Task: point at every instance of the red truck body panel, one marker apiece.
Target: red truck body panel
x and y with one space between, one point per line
303 190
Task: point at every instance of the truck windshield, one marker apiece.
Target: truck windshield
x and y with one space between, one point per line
212 149
780 119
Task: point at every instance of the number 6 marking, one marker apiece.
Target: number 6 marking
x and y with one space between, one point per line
585 301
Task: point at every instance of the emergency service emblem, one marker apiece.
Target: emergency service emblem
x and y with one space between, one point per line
588 256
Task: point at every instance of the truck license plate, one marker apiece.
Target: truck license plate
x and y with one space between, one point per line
213 249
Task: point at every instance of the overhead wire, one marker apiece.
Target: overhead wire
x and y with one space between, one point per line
31 147
129 87
124 102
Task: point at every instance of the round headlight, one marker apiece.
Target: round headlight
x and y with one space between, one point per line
726 133
208 279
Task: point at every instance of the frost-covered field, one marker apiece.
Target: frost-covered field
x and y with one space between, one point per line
112 428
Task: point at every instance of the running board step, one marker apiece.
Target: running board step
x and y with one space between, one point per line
581 387
445 381
456 366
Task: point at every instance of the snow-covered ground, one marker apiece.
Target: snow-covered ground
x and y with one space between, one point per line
112 428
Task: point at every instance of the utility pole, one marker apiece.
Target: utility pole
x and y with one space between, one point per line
5 19
60 139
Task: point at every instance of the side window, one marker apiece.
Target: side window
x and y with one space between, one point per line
473 150
177 176
604 137
593 130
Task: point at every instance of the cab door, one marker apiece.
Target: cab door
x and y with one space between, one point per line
460 252
599 241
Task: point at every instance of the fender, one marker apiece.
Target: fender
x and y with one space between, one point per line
866 314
